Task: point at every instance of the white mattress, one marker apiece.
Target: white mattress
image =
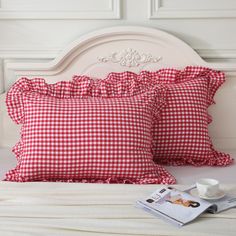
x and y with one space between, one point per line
184 174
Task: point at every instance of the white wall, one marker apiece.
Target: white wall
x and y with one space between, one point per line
39 29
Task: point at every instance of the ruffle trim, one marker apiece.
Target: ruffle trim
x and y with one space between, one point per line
164 178
79 87
13 177
217 159
114 85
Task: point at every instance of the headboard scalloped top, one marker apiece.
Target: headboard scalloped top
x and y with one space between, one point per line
112 49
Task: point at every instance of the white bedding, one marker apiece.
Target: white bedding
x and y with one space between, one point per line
93 209
183 174
42 208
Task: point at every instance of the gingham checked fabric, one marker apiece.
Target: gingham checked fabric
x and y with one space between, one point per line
181 135
71 132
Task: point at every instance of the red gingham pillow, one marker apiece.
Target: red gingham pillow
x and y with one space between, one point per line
181 135
73 131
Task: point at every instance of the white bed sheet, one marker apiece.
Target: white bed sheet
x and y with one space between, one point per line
41 208
183 174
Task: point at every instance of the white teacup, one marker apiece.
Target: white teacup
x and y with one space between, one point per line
208 187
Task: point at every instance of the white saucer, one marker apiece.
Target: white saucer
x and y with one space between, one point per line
219 195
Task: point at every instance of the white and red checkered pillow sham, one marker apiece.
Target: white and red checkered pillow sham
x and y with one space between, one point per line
73 131
181 135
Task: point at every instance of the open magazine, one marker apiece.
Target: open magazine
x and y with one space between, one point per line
180 207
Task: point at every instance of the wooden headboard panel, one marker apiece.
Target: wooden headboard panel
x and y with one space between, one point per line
121 49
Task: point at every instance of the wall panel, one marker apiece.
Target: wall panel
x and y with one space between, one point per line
60 9
161 9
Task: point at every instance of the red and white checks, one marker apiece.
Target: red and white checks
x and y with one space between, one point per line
79 131
181 135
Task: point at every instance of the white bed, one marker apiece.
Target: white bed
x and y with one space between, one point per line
100 209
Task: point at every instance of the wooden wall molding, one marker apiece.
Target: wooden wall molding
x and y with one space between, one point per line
156 10
111 12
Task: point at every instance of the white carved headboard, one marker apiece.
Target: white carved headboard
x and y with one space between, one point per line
121 49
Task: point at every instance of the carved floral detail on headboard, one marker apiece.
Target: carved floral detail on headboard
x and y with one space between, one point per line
130 58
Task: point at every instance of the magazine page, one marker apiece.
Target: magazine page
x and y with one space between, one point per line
174 206
222 204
